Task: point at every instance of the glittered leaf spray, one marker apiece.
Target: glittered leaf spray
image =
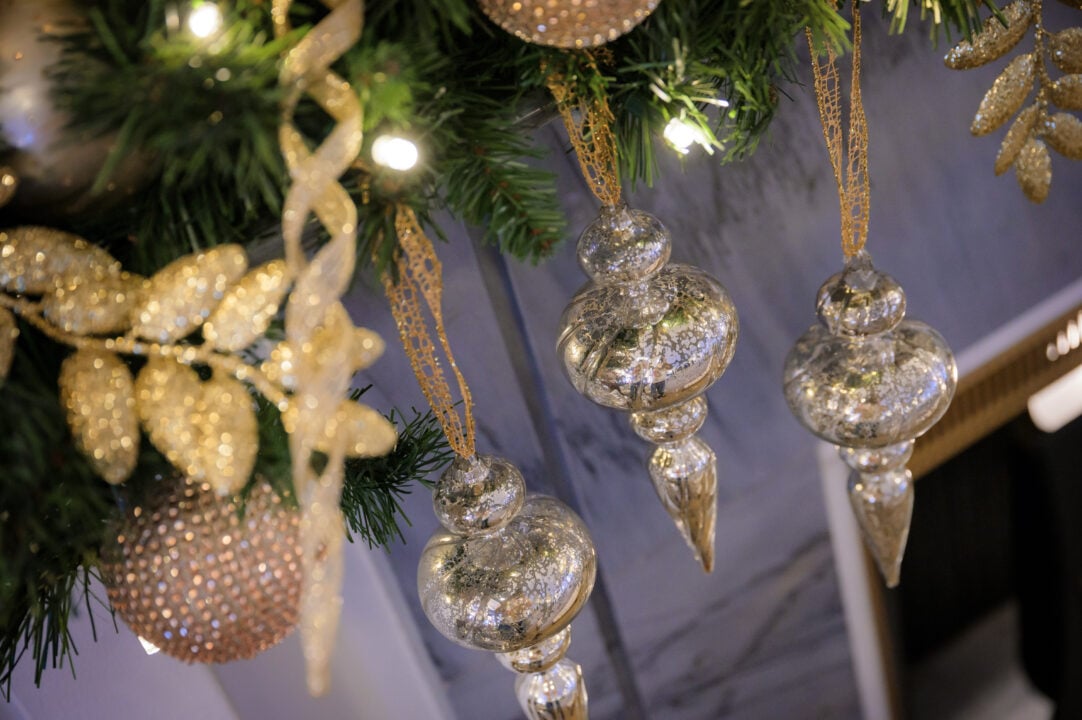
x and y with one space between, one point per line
645 336
866 378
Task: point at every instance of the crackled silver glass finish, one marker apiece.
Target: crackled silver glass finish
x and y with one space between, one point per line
865 376
881 494
478 494
649 338
504 586
683 470
538 657
558 693
871 381
201 578
649 344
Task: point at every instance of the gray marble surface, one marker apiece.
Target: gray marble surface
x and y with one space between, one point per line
763 636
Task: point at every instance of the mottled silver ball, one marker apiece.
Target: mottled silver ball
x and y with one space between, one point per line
539 657
478 494
860 300
511 588
203 579
672 423
623 245
648 345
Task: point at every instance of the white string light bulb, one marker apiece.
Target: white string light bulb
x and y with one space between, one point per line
396 153
205 20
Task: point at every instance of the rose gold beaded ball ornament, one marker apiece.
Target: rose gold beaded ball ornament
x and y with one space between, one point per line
202 578
568 23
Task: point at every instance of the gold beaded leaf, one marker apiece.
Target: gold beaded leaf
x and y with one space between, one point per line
1064 134
993 41
97 392
1067 92
568 23
88 306
208 430
1066 50
1034 169
180 296
34 260
1005 96
1016 137
281 365
248 308
367 432
9 333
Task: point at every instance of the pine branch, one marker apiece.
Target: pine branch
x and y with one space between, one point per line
374 487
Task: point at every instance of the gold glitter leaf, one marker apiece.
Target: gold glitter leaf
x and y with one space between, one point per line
9 333
368 434
1034 170
1006 95
92 307
1064 133
35 260
993 41
166 395
281 366
367 348
97 391
1016 138
228 434
1066 50
180 296
1067 92
248 308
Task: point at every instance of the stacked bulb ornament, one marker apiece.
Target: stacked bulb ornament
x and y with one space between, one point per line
508 573
648 338
870 381
202 579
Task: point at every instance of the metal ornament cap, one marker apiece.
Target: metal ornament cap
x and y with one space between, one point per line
648 345
513 587
865 377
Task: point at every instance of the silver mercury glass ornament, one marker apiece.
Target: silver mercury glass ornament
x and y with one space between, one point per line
507 573
870 381
648 337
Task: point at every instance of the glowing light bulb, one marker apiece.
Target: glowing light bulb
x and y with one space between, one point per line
205 20
149 647
681 135
394 152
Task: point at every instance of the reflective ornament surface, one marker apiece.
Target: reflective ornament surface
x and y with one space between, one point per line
568 23
649 338
871 381
202 578
865 376
493 582
882 501
558 693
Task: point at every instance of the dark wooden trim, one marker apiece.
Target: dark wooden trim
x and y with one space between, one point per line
997 391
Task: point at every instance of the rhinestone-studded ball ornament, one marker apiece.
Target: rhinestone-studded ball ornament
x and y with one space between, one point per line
497 577
568 23
643 335
865 376
203 579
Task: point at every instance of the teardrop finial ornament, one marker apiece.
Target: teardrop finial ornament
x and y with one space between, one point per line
649 337
871 381
507 573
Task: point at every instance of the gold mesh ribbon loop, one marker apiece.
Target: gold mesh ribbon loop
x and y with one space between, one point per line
589 122
316 323
420 280
853 189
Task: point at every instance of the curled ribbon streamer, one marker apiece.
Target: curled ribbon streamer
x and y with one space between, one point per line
316 323
420 279
589 127
854 194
